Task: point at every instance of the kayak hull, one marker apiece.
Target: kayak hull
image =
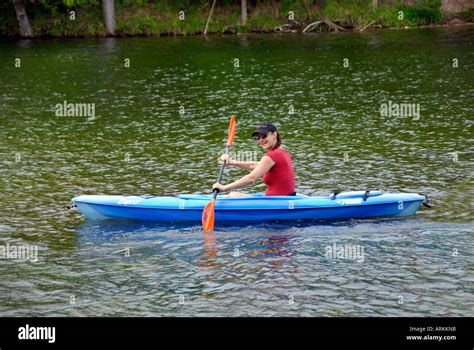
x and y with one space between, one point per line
255 208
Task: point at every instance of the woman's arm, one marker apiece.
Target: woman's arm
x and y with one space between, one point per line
244 165
262 167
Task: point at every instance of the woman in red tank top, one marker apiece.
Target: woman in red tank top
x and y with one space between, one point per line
275 166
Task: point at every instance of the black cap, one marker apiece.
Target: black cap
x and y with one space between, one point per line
264 128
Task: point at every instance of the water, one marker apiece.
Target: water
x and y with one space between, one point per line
138 142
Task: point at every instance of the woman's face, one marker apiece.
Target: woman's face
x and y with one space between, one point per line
267 142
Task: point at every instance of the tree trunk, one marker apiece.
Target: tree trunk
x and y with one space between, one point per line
244 11
109 16
22 17
374 4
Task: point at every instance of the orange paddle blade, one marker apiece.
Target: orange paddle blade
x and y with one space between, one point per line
208 212
208 216
231 135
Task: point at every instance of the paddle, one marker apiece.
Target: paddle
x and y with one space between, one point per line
208 212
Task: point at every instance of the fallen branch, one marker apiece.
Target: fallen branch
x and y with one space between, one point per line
209 18
366 26
280 29
311 26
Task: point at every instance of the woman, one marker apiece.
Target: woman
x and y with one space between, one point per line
275 166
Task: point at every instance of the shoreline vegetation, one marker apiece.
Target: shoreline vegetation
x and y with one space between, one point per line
122 18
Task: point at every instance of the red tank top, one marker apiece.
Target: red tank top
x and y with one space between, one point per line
280 179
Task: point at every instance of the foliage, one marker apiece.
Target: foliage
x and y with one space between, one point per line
157 17
386 16
418 15
467 15
361 13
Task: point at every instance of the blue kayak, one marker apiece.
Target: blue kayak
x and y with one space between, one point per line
254 208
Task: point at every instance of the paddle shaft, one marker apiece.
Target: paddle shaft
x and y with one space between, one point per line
221 173
208 212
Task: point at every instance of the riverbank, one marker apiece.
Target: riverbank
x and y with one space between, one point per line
162 18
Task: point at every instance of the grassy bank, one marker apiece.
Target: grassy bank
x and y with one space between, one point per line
54 18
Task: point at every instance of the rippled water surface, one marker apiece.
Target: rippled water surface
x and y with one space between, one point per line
139 142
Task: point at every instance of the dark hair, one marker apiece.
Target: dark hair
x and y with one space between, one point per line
278 143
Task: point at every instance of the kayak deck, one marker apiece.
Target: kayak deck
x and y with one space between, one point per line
253 208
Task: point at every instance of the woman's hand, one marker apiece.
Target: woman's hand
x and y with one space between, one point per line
219 186
225 159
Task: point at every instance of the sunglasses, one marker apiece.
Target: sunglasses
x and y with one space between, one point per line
260 136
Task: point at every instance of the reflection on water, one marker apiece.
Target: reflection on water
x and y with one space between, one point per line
140 143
